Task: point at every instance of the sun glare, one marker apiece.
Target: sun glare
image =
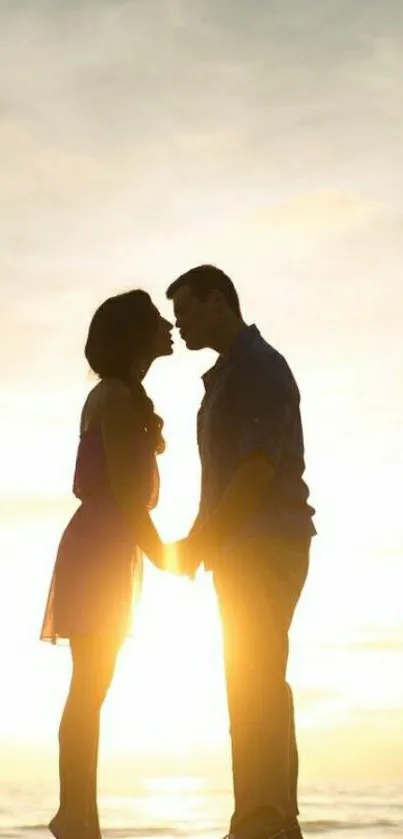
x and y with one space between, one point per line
168 694
169 689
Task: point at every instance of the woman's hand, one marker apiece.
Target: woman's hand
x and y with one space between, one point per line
180 558
185 556
200 545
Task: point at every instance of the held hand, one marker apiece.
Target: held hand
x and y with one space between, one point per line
185 556
178 558
188 557
203 543
198 547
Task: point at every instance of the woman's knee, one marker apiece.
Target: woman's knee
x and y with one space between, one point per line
93 671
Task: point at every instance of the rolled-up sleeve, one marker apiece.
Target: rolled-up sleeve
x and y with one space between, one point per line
262 407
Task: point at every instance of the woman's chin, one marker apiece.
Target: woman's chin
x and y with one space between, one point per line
167 351
162 351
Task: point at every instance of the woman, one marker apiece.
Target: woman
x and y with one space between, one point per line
116 480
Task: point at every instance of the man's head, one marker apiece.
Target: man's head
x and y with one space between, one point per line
205 302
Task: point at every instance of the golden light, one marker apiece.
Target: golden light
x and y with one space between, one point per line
169 689
168 694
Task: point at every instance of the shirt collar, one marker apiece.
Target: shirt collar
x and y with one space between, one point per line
241 344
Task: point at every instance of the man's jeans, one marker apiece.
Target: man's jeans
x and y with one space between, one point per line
258 586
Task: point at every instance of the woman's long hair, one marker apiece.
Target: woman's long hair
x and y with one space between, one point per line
121 331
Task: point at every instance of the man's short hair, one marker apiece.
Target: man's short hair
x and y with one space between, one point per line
204 279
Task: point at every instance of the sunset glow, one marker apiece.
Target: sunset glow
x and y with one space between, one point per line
122 165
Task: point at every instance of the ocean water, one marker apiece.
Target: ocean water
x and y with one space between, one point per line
194 807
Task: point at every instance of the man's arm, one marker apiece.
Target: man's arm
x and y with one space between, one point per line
240 500
260 415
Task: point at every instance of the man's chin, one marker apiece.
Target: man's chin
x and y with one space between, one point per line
192 344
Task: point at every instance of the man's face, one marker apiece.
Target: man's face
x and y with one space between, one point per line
194 318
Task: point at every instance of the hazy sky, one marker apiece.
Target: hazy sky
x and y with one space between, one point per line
138 138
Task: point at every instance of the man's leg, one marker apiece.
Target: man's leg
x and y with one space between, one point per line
258 588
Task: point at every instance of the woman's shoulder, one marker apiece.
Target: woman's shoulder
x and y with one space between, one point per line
108 395
108 389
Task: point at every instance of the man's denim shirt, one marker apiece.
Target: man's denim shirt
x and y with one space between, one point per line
251 404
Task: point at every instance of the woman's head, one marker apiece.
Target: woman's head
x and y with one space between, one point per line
126 333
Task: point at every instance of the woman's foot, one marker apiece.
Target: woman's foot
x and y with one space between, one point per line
94 829
56 826
65 828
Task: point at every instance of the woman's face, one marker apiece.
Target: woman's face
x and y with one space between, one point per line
162 342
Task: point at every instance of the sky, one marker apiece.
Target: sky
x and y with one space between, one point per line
137 139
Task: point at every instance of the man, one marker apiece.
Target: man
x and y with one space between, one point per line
253 531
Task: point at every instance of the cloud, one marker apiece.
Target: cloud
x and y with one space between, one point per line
139 137
382 644
310 698
34 507
311 216
378 639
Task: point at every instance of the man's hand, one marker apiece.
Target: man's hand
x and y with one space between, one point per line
200 545
185 556
188 557
179 558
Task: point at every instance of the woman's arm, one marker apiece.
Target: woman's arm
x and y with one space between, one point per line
118 424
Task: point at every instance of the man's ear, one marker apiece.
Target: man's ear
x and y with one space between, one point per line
216 300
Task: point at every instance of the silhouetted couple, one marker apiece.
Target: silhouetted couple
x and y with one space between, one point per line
253 532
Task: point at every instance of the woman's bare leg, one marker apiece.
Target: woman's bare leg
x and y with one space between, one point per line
94 660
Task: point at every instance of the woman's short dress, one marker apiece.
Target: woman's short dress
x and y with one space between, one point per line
98 561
